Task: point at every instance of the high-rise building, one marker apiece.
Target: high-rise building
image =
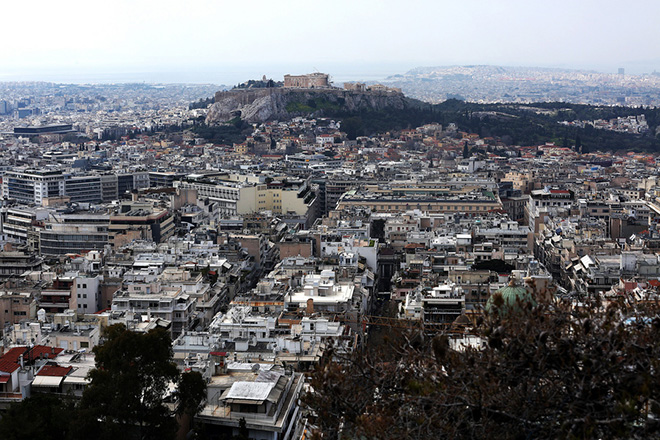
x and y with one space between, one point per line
33 186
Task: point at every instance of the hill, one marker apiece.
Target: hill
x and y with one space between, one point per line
278 103
373 112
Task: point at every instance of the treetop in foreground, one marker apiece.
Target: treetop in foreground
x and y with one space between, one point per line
550 371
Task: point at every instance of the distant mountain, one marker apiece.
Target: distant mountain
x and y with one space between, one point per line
497 84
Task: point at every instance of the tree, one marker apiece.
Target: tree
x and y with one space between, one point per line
378 229
353 127
243 432
466 150
191 394
42 416
496 265
128 385
551 371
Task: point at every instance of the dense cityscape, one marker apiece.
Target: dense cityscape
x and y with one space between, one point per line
488 84
157 282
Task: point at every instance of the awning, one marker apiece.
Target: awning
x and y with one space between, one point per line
47 381
4 379
76 380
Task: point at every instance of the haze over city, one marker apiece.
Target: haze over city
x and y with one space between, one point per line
220 42
294 220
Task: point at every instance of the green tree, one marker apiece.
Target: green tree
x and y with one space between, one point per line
243 432
466 150
496 265
378 229
353 127
42 416
190 394
128 385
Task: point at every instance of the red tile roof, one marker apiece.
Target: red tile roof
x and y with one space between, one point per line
8 366
414 246
54 370
9 362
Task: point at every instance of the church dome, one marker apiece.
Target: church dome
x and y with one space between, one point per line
510 298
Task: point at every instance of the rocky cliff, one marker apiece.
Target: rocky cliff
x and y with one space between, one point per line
260 105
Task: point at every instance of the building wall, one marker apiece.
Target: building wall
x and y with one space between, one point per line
293 249
60 239
83 188
15 307
248 200
86 292
431 206
307 81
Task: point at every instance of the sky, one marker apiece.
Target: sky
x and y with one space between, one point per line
223 42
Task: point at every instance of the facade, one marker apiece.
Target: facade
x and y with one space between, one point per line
151 224
309 81
321 293
232 197
15 264
74 234
32 186
20 225
43 129
87 293
394 204
127 182
36 187
55 300
547 203
16 307
83 188
172 305
441 305
163 179
109 187
235 196
268 404
473 197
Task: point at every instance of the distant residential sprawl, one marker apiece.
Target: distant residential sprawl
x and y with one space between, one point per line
498 84
329 268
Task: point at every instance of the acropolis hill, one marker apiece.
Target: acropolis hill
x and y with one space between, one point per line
303 95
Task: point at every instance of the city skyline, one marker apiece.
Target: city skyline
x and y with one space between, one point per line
207 42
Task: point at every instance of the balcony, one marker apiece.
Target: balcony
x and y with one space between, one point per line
11 397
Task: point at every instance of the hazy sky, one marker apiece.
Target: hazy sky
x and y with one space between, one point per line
222 42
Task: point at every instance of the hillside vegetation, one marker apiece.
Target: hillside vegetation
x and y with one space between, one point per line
515 124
